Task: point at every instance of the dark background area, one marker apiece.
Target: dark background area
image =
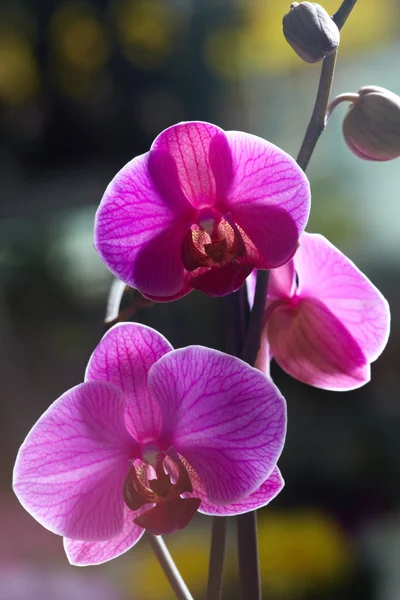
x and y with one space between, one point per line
84 87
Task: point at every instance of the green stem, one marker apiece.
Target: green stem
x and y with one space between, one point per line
168 566
249 564
217 558
317 122
342 14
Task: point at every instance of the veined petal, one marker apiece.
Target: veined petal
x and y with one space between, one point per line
269 196
224 417
136 226
267 491
83 554
189 145
327 274
71 467
313 346
124 357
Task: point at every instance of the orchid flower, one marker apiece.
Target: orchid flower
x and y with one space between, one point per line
200 210
325 322
151 436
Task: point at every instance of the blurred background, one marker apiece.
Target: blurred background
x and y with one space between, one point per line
84 87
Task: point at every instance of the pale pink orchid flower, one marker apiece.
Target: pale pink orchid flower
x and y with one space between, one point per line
200 210
152 436
325 322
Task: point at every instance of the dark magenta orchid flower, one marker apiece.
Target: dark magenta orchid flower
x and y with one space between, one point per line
325 322
152 436
200 210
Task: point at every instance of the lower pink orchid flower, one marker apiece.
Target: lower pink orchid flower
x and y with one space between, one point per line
152 436
325 322
200 210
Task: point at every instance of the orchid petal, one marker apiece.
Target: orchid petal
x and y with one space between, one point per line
313 346
124 357
137 228
70 470
224 417
189 145
83 554
267 491
327 274
269 196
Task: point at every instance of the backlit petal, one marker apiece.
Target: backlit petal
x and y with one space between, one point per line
312 345
327 274
124 357
224 417
269 196
189 145
262 496
83 554
140 223
71 467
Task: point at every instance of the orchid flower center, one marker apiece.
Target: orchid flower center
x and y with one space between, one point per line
213 241
171 512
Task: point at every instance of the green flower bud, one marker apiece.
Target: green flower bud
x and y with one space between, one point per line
310 31
371 127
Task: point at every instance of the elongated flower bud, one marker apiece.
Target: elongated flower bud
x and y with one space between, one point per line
310 31
371 127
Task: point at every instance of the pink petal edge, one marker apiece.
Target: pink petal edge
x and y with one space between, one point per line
327 274
83 554
124 357
70 470
312 345
223 416
269 196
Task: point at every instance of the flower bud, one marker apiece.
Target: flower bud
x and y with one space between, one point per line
371 127
310 31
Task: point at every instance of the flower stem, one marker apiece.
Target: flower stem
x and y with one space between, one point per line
169 567
249 563
317 122
253 336
217 558
342 14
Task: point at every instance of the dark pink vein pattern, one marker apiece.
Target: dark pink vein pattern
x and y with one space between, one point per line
226 418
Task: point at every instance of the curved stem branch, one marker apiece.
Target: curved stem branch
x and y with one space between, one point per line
217 558
169 567
338 100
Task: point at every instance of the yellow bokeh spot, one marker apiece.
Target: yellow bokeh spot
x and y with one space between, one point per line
301 549
19 73
258 45
146 30
80 39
